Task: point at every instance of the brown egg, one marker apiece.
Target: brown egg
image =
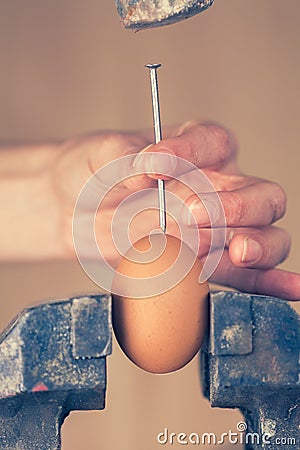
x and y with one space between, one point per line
160 333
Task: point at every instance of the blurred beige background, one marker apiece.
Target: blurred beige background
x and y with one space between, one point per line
68 66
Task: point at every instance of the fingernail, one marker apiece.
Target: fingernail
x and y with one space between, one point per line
139 155
203 213
251 251
163 162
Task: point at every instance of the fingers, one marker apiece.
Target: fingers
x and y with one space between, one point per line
252 248
258 204
256 248
205 145
262 248
273 282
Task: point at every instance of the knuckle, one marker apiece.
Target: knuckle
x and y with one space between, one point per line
235 210
278 202
221 141
267 250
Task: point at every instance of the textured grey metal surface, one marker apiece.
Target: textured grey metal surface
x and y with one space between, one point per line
156 13
52 361
251 361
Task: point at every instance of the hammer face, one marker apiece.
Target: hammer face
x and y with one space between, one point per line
139 14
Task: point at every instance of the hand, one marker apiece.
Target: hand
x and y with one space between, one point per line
40 185
254 245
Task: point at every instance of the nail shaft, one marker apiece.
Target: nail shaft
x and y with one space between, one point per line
157 132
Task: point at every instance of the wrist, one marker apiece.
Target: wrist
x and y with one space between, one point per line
29 214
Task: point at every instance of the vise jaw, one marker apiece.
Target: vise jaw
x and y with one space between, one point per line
251 361
52 361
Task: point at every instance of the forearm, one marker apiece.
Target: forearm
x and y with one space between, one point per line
29 215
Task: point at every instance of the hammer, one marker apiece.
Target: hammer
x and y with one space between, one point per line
138 14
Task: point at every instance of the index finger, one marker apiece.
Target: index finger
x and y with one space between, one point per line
203 144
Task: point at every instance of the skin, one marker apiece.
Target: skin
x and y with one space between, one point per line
39 185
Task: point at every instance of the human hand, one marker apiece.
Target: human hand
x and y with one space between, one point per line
254 246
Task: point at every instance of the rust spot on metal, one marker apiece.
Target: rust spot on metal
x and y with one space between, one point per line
131 11
39 387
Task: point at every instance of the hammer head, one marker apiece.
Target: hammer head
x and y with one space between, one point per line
140 14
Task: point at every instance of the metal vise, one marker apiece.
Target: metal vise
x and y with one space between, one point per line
52 361
251 362
156 13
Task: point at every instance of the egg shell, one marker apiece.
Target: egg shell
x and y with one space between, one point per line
162 333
